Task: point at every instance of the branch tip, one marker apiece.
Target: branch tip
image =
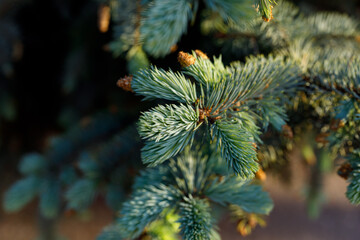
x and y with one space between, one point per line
125 83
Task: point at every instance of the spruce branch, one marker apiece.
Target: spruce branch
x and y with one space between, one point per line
168 130
332 24
236 145
265 8
343 79
33 163
81 194
329 87
111 232
250 198
225 93
272 112
157 83
155 176
50 198
195 219
21 193
204 71
185 186
353 190
163 23
145 206
232 10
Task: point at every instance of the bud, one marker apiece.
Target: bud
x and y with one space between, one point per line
201 54
261 175
243 228
173 48
322 138
104 18
186 59
268 18
335 124
125 83
204 113
252 220
345 170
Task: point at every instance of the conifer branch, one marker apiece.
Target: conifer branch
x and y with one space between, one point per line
163 23
168 130
237 147
353 190
232 10
265 7
195 219
145 207
157 83
248 197
21 193
185 187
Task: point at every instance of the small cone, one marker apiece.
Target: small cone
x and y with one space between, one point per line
345 170
201 54
261 175
186 59
125 83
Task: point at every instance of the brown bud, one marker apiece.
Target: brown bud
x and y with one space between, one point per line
104 18
237 106
203 113
345 170
252 220
125 83
335 124
322 138
287 131
173 48
186 59
243 229
271 16
201 54
261 175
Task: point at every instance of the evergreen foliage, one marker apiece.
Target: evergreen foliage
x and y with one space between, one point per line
21 193
220 97
195 219
186 185
155 27
325 46
62 175
216 125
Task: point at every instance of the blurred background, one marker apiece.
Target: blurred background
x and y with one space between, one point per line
58 81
